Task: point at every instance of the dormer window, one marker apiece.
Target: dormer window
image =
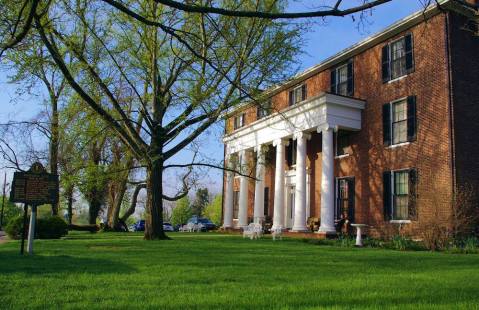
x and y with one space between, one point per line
297 95
342 79
238 121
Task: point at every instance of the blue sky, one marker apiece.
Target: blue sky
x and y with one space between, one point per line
325 38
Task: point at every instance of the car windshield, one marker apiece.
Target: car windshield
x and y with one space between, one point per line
167 224
204 221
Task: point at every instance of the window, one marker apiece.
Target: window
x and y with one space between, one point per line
239 121
399 121
264 110
266 201
342 82
345 199
298 94
397 58
235 204
400 195
343 146
291 152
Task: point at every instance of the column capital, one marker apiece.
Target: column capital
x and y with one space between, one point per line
326 127
260 147
280 142
301 135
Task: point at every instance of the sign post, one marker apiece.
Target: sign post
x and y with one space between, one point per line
34 187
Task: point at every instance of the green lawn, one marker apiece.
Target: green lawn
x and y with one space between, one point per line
206 271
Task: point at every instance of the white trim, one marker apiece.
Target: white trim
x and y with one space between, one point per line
325 109
398 78
400 221
393 146
342 156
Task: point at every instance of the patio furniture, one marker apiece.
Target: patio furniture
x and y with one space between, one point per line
253 231
359 238
277 232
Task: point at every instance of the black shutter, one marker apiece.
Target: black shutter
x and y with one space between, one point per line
291 102
351 199
412 201
387 195
350 78
387 124
386 64
258 112
409 53
304 91
411 119
334 86
266 201
289 154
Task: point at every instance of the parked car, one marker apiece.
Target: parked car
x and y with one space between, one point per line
139 226
207 224
168 227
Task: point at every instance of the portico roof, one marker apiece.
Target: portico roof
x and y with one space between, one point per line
313 114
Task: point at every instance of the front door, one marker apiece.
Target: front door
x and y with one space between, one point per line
345 195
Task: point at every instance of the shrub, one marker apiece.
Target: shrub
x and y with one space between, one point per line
373 243
14 227
346 241
402 243
52 227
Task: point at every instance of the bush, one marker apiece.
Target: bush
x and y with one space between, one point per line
346 241
373 243
403 243
52 227
14 227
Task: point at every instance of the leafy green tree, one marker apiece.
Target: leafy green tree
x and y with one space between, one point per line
10 210
201 200
214 209
181 212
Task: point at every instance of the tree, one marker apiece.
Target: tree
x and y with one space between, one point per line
201 200
213 210
182 212
10 210
196 61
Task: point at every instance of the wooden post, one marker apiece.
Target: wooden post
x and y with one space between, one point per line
25 212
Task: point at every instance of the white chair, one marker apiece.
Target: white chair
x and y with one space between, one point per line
199 227
253 231
277 232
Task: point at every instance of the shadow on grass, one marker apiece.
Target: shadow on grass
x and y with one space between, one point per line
12 262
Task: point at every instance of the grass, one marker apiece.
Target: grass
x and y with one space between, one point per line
211 271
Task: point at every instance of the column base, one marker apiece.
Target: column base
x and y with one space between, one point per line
300 229
278 227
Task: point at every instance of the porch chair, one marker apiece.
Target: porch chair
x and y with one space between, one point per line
277 232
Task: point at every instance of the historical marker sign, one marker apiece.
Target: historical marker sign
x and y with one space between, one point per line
35 187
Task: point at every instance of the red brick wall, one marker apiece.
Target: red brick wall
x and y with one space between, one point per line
430 154
465 84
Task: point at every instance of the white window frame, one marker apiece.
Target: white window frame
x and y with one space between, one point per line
337 82
391 115
241 118
300 87
392 190
403 38
336 147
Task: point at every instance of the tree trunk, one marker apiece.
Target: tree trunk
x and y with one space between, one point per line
69 194
154 220
94 208
54 146
119 195
134 200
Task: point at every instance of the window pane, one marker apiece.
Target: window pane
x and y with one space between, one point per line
400 208
398 59
401 195
399 126
298 95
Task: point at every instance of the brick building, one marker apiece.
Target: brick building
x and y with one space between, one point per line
382 133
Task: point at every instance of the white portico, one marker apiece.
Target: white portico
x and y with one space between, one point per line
324 113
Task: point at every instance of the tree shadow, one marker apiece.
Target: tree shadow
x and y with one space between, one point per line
12 262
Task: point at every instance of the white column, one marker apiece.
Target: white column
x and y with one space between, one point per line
259 185
228 211
243 195
327 182
278 218
300 189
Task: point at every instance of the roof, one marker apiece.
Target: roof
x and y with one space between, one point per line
361 46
